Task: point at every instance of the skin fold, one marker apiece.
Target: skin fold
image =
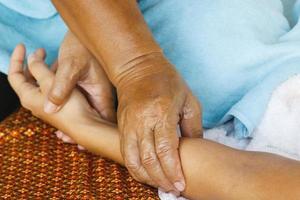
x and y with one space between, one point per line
211 170
153 98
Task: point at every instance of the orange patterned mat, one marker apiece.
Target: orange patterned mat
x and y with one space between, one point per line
34 164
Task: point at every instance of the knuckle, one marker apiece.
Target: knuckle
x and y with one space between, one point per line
74 74
149 159
132 166
147 107
72 65
164 149
135 177
69 69
150 116
150 182
56 94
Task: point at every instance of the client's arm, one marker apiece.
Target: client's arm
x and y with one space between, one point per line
212 171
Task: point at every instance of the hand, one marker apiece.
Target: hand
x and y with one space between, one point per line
33 91
77 67
153 101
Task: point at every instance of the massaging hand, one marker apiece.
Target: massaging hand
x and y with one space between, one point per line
153 101
152 97
78 67
33 91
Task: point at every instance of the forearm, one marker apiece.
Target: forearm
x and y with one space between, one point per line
213 171
114 31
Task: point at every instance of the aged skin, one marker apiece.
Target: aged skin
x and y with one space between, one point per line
153 98
212 171
76 66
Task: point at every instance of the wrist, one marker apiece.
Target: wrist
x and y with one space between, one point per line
139 68
99 137
114 31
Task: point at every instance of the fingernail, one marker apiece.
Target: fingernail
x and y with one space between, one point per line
67 139
58 134
81 148
179 186
50 107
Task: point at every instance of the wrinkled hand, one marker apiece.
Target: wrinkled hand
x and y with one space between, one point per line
153 101
77 67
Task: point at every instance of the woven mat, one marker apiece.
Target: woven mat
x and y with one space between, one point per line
34 164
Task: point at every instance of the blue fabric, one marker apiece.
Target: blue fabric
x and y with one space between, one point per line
38 28
40 9
231 53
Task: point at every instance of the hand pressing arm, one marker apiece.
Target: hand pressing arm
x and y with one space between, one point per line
153 98
211 170
76 66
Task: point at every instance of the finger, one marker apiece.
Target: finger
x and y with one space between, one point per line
58 134
191 121
65 81
17 61
54 67
41 53
65 138
132 158
29 76
150 161
81 148
166 144
16 75
131 166
40 71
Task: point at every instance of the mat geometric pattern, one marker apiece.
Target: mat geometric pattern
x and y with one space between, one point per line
34 164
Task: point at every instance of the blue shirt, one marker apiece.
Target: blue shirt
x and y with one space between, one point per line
232 54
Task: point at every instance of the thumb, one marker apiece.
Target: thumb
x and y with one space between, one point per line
65 80
191 121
